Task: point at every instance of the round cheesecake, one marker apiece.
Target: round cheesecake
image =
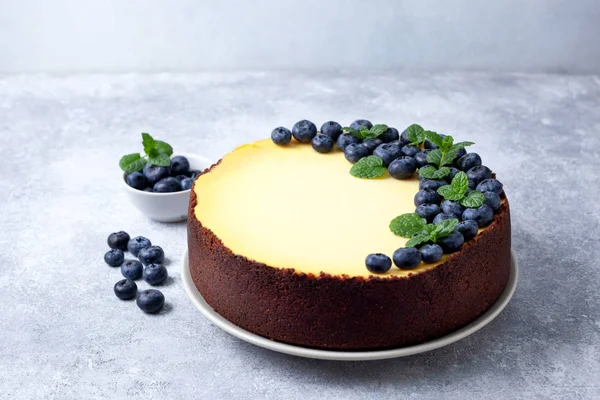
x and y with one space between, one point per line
278 236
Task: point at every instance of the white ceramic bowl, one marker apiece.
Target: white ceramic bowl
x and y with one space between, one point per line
166 207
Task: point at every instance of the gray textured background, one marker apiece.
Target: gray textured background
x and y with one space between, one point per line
63 334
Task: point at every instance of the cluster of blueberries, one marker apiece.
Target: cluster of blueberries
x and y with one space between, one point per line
148 266
402 160
174 178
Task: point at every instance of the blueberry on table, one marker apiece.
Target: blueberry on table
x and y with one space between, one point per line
389 135
151 255
118 240
402 167
468 161
186 184
388 152
137 180
427 196
378 263
410 150
453 208
493 200
346 140
407 258
137 243
304 131
155 274
114 257
451 243
431 253
432 184
355 152
428 211
179 165
150 300
478 174
132 269
356 125
443 217
372 143
167 185
125 289
421 158
483 215
331 129
468 229
281 136
154 173
322 143
490 185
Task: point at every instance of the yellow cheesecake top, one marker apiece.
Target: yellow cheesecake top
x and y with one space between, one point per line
291 207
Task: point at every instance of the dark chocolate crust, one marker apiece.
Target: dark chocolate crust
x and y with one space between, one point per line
351 313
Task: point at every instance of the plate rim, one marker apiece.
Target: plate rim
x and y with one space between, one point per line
339 355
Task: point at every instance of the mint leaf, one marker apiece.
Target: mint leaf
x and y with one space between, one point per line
407 225
148 143
418 239
415 134
441 173
162 160
445 228
368 167
460 145
132 163
163 147
460 183
475 199
447 143
434 138
448 193
353 132
431 172
435 157
447 158
377 130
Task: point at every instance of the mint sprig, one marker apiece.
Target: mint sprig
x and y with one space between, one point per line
431 172
445 154
415 134
366 133
407 225
418 231
457 191
156 152
370 167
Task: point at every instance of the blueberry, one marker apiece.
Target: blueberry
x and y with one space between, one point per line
389 135
453 208
410 150
388 152
167 185
468 229
468 161
421 158
361 122
404 138
332 129
132 269
137 180
150 300
179 165
304 131
478 174
452 242
443 217
154 173
453 172
428 144
378 263
428 211
433 184
407 258
118 240
483 215
372 143
137 243
125 289
490 185
461 152
492 199
355 152
322 143
427 196
151 255
281 136
179 178
193 173
402 167
186 184
431 253
114 257
155 274
345 140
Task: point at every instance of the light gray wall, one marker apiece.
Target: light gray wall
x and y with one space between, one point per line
185 35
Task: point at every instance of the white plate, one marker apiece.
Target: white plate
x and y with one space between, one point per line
257 340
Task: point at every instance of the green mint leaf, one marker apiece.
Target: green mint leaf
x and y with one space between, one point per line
435 157
418 239
415 134
353 132
377 130
132 163
434 138
447 158
407 225
148 142
431 172
370 167
447 143
445 228
448 193
460 183
475 199
441 173
162 160
460 145
163 147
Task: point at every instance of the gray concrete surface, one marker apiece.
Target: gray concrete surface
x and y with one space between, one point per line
63 335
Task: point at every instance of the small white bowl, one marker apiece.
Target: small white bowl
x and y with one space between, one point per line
166 207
